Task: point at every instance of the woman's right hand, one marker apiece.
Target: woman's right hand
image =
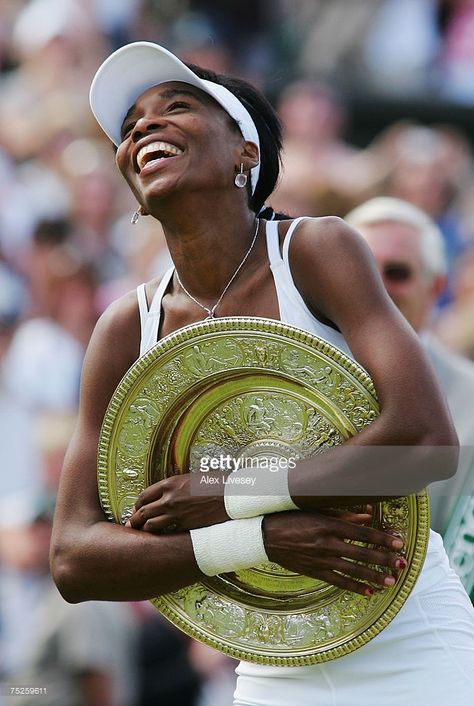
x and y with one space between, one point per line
320 545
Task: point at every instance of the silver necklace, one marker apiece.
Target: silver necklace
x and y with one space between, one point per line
211 313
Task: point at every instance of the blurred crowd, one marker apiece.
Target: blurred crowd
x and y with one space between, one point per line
67 249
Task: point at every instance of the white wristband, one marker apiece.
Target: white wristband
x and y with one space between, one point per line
270 493
229 546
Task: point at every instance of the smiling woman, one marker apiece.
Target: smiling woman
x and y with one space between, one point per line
201 153
181 119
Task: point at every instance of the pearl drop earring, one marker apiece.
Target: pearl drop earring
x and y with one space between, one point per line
241 178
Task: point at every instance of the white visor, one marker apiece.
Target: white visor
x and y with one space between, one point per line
136 67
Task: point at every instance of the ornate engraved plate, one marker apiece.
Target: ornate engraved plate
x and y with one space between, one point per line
254 387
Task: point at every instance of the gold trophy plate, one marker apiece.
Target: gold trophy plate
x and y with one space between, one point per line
253 387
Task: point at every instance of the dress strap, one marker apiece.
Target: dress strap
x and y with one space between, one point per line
150 318
273 243
142 305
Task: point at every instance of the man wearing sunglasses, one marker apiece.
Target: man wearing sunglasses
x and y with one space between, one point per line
409 251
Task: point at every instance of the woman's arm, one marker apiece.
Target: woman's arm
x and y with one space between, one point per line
92 558
413 440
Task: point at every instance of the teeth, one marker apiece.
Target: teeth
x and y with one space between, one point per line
166 148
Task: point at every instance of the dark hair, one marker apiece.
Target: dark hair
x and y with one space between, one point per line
268 127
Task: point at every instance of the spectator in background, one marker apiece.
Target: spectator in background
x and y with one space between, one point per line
20 469
409 251
54 41
455 325
429 167
321 174
82 655
43 365
20 474
93 212
43 107
17 216
48 235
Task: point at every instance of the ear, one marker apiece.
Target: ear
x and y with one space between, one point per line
249 156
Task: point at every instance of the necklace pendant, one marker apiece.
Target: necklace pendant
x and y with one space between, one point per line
211 313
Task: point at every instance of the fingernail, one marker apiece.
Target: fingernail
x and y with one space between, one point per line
401 564
128 523
369 592
397 544
389 581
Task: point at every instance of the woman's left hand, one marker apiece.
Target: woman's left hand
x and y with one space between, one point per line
178 503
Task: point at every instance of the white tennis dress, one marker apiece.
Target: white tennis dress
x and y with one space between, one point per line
425 657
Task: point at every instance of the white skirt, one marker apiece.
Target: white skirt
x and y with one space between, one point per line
424 657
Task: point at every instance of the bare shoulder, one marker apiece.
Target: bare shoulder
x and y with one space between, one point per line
327 237
329 259
113 348
118 329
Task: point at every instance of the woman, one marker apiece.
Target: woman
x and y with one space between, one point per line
201 153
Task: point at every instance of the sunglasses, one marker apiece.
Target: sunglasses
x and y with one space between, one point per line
397 272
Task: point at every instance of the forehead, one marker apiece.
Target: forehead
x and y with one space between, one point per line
172 87
392 240
169 90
